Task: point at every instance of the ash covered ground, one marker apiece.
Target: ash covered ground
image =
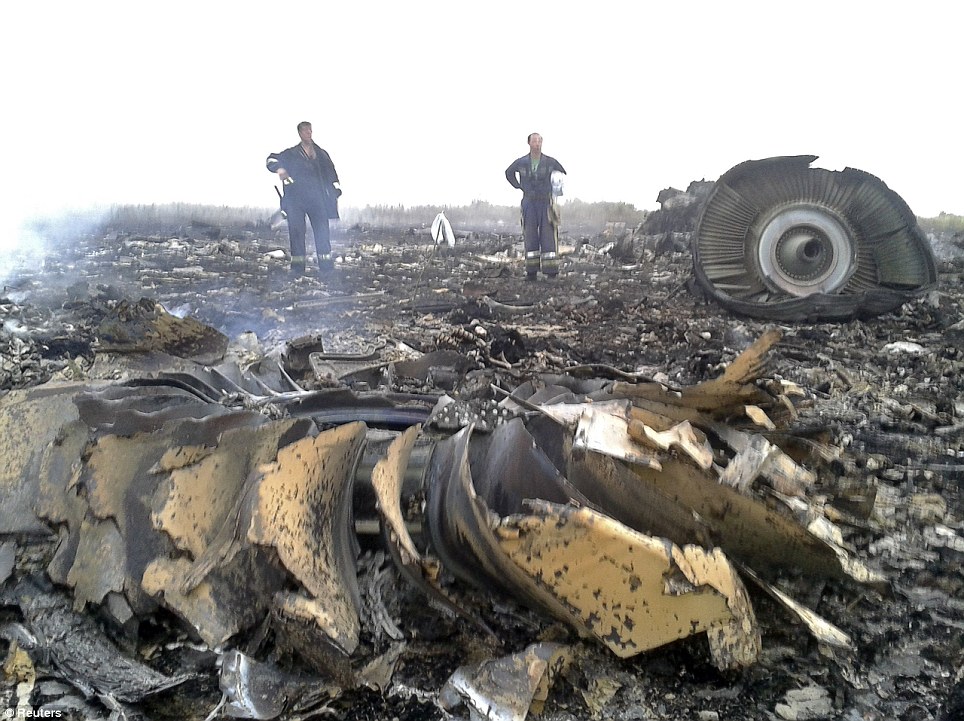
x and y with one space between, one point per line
888 390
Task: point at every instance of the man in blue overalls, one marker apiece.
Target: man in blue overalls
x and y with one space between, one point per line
311 189
532 174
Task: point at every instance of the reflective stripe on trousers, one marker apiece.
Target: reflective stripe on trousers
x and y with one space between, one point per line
532 261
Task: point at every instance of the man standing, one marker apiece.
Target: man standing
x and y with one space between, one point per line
311 189
532 174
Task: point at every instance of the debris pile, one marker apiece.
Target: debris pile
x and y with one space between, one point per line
617 517
598 499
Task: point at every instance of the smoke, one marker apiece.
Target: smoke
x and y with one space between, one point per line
22 249
29 241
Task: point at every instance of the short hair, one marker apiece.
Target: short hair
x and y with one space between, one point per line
529 137
303 124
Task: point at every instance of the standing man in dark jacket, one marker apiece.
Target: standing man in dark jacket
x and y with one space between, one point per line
311 189
532 174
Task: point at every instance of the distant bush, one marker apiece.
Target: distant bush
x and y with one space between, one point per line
943 223
596 215
478 215
135 217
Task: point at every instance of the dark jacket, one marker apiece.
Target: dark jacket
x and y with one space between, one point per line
533 185
311 178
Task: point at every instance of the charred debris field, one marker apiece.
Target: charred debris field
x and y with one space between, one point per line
854 431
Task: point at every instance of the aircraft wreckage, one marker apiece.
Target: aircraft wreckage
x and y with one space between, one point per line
238 503
780 240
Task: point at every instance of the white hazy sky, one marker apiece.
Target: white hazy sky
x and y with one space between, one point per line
428 102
